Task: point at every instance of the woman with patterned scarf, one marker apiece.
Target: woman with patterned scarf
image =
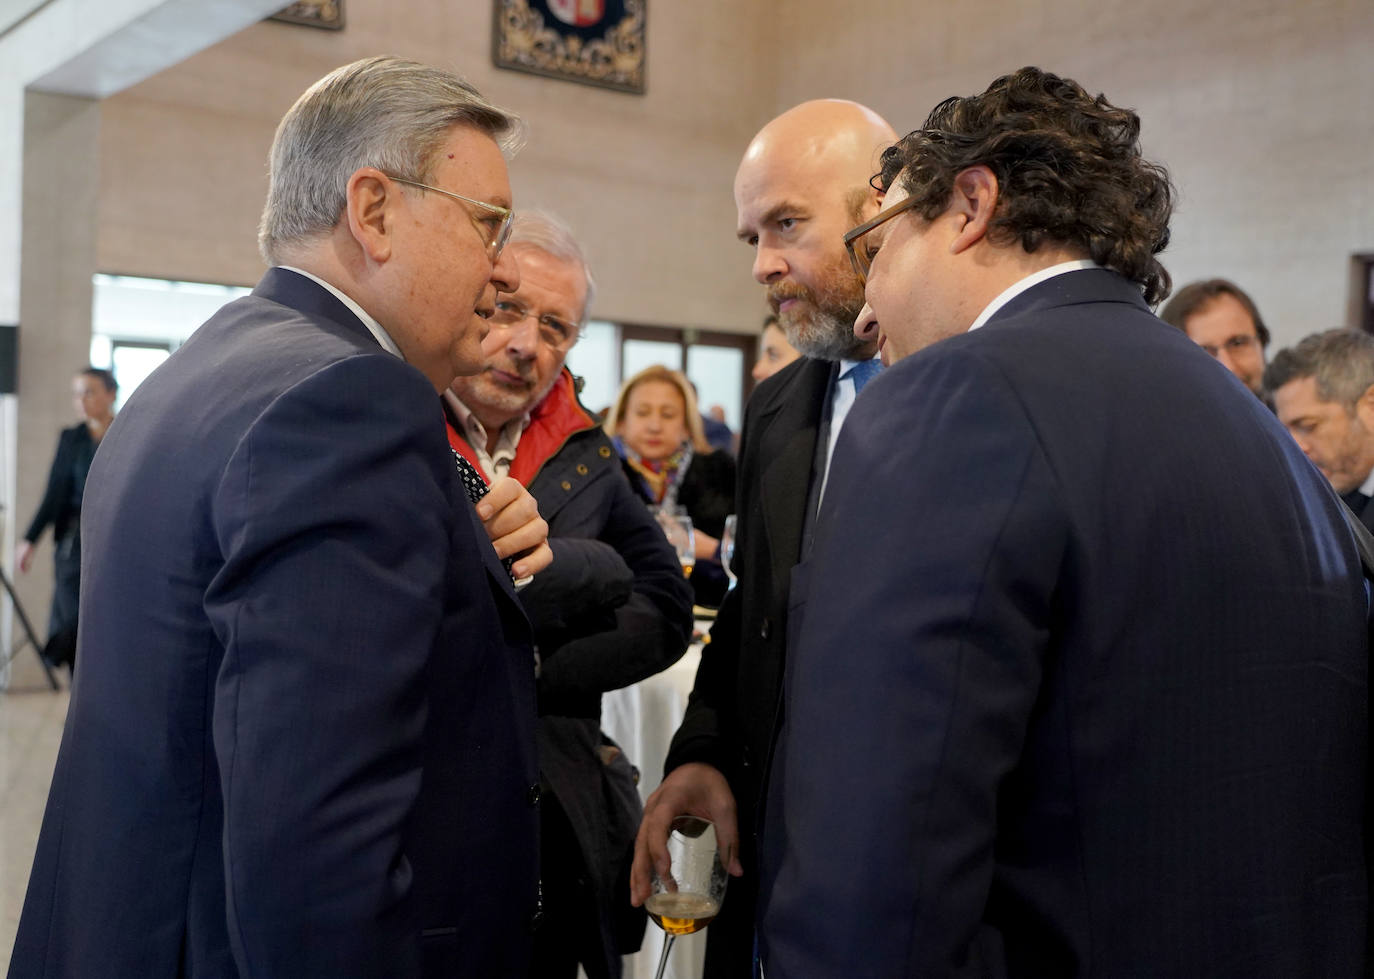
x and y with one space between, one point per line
655 426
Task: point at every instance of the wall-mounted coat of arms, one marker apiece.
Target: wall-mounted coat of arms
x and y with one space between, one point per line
597 42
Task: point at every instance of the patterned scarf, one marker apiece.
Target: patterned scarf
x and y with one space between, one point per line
660 478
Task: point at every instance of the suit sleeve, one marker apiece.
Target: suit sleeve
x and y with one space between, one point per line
644 635
333 518
926 618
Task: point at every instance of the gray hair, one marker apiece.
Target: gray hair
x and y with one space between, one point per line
548 233
1342 361
380 112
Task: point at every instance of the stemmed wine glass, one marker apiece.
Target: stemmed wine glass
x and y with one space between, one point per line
689 899
677 527
727 550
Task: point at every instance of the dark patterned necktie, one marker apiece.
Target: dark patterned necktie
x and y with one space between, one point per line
476 487
473 484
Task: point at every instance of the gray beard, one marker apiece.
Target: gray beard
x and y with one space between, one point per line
823 335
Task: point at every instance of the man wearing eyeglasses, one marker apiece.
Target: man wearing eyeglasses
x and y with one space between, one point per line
1220 318
1081 687
612 608
803 180
303 739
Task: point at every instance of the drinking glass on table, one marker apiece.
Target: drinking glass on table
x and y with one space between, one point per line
678 529
727 549
689 899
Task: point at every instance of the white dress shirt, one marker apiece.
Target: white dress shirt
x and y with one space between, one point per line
496 463
841 400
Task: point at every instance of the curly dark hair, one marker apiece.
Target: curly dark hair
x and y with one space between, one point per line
1068 170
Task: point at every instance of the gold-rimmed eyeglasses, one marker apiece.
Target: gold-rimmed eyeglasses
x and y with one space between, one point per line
555 331
495 231
859 255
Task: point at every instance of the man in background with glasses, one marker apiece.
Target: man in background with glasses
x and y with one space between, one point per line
1220 318
612 608
302 743
1082 681
803 180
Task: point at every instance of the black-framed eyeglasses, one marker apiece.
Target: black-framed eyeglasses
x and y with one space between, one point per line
553 330
495 231
859 254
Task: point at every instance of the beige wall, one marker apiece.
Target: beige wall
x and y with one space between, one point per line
644 179
1263 110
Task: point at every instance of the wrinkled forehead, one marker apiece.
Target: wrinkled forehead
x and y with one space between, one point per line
768 184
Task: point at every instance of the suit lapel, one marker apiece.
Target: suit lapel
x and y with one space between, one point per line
787 441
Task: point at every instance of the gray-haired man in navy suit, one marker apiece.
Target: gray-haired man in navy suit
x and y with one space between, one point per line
302 741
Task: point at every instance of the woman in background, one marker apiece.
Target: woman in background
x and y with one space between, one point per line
93 392
775 352
656 428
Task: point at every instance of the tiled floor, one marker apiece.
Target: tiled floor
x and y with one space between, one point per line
31 719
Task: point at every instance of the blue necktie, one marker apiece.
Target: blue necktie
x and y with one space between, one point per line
861 373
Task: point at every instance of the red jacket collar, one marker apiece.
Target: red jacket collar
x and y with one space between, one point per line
552 422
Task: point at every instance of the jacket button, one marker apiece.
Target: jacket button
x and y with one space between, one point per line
536 919
566 485
581 469
605 451
766 629
532 796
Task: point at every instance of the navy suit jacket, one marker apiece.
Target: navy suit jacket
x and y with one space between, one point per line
302 739
1081 685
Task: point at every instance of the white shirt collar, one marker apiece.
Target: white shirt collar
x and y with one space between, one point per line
1367 487
1035 278
495 463
373 327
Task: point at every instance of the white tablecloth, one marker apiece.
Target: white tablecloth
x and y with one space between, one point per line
642 720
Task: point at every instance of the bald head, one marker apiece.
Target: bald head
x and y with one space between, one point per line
836 137
803 182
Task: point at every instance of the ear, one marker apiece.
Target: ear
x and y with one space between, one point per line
973 202
370 197
1364 408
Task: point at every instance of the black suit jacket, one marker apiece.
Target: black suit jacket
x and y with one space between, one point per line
1082 683
732 714
56 506
1364 509
302 739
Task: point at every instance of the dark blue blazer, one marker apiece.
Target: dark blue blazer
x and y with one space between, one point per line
1081 683
302 739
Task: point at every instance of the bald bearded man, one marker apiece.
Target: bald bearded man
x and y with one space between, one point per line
802 183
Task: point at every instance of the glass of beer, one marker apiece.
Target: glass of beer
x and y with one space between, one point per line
689 898
677 527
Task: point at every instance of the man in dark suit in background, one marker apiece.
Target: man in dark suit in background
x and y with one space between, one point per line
302 741
1323 390
1081 686
803 180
